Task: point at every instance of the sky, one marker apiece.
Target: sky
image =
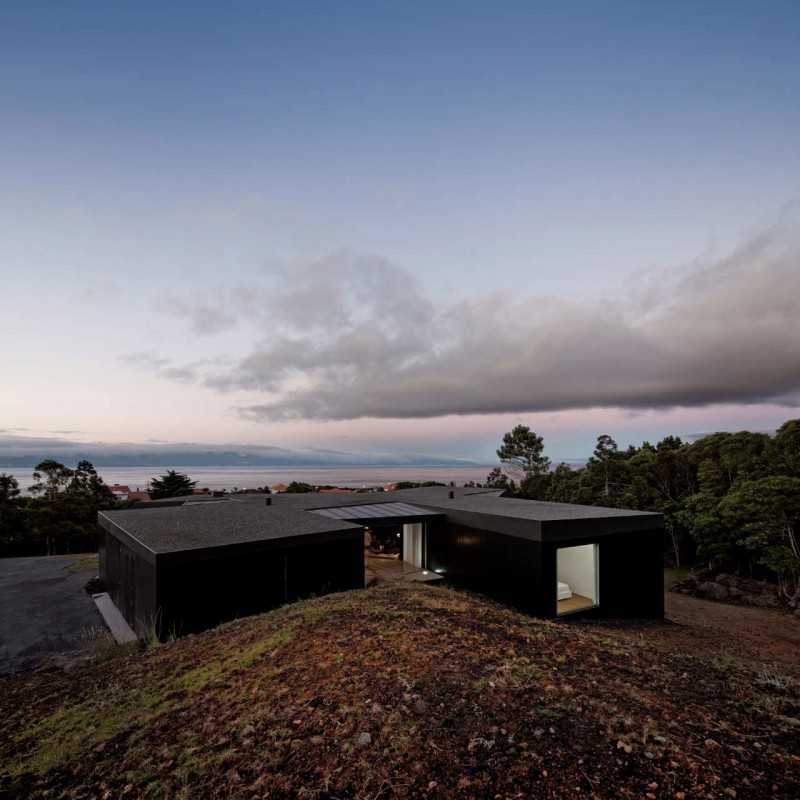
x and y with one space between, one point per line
361 230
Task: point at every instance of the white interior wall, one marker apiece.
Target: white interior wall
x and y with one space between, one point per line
576 566
412 544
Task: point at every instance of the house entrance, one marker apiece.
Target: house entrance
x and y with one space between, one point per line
396 543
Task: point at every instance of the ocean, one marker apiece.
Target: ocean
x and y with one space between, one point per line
253 477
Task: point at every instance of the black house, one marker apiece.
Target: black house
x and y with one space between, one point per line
191 563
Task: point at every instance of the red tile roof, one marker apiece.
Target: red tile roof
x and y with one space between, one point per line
143 496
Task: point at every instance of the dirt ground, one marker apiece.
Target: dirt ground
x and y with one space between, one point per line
752 638
747 634
425 693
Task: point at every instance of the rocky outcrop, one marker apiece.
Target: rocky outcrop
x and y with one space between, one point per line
735 589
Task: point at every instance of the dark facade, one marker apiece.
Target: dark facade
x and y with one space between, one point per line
186 568
162 585
514 560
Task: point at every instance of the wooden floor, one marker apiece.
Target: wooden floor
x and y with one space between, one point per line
574 603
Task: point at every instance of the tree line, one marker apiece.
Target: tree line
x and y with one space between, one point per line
60 515
729 499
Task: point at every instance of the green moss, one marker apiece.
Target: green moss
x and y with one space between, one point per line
90 562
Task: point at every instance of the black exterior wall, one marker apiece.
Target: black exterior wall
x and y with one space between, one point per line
200 590
507 568
199 594
522 571
130 580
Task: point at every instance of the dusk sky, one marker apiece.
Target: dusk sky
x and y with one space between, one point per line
398 228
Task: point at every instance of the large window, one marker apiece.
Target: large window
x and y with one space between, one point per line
577 578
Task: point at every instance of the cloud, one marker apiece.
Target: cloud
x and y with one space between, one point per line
353 336
204 319
192 372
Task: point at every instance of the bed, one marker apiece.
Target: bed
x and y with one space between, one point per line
563 590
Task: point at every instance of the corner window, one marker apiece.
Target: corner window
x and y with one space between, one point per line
577 578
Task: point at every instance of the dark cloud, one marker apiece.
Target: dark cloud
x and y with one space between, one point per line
352 336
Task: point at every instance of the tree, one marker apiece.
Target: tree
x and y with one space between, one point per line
85 481
787 443
64 518
496 479
521 454
9 487
295 487
171 484
51 477
767 514
605 454
10 514
563 484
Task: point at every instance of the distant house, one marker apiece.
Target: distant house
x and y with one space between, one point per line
279 487
123 493
142 497
189 563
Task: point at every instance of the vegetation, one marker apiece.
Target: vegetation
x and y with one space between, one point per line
296 487
61 514
406 691
171 484
731 499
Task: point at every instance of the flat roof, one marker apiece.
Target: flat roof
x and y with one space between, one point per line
377 513
235 521
195 527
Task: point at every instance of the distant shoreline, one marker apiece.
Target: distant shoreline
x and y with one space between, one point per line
228 478
354 476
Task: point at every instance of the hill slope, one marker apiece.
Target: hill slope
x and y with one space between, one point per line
402 691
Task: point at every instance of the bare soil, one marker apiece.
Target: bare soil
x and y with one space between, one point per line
416 691
751 635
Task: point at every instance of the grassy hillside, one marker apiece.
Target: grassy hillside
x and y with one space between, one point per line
403 691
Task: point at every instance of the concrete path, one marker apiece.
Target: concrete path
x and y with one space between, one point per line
44 610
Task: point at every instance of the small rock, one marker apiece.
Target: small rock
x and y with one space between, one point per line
365 738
